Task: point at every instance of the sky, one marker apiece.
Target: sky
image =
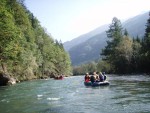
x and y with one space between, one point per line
68 19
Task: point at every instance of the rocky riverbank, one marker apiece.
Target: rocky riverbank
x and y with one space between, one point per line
6 79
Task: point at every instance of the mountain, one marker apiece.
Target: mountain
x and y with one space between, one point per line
88 46
81 39
136 25
89 50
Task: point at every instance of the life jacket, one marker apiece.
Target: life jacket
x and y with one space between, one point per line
87 80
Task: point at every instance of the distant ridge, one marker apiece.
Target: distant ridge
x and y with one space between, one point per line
81 39
87 47
136 25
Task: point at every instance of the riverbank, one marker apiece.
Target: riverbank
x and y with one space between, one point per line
8 79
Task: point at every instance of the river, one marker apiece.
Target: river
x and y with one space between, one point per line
125 94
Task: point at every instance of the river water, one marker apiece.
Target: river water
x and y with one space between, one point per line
125 94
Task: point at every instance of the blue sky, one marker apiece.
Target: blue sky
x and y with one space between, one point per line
68 19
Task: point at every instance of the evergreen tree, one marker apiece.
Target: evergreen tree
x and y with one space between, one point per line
115 36
146 47
138 39
126 32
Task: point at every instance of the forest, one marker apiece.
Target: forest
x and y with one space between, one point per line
123 54
27 50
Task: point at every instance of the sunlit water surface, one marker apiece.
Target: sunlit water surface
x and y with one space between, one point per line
125 94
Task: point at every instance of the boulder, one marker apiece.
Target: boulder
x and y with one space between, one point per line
6 79
3 79
11 81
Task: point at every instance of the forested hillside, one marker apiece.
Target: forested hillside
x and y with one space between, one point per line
26 50
89 50
122 53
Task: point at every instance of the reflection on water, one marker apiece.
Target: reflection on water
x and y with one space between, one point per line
125 94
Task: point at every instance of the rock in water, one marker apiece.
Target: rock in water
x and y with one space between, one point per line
11 81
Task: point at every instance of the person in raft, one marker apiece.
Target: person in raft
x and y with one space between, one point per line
104 75
87 77
101 76
94 77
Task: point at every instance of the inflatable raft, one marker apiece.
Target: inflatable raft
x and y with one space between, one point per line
59 78
105 83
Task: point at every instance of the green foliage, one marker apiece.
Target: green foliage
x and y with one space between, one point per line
115 35
121 54
146 48
26 50
9 36
84 68
119 50
103 66
115 30
124 54
136 56
110 53
126 32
